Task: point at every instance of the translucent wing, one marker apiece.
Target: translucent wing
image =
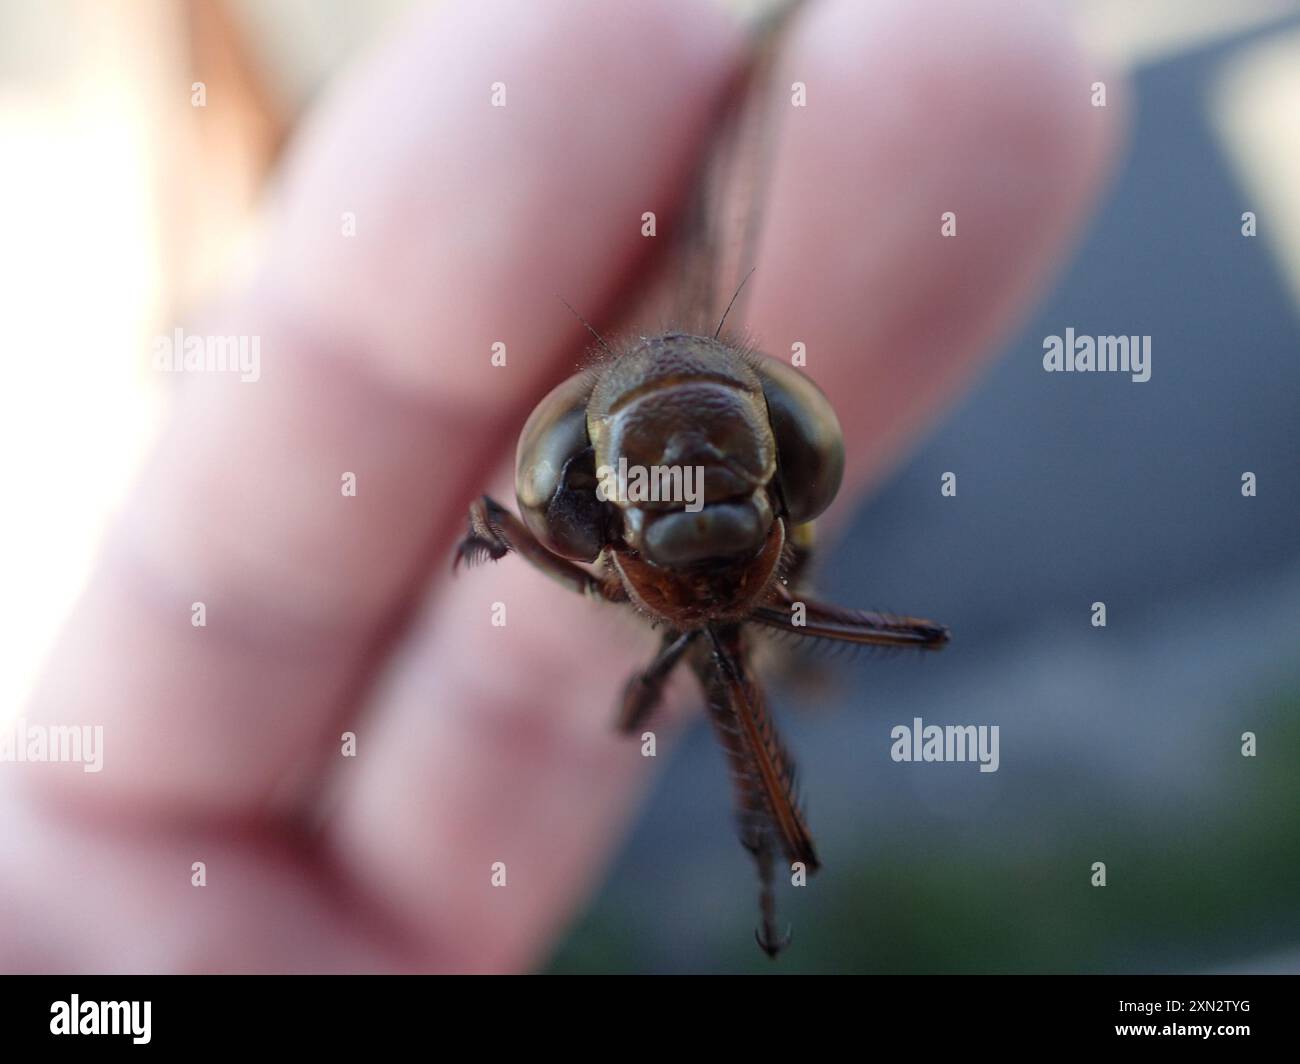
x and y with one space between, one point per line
712 241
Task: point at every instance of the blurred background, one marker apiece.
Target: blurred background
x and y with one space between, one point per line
1120 744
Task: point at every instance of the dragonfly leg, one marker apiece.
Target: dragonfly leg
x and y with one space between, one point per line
494 531
645 689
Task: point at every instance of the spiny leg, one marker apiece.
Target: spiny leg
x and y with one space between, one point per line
645 689
767 813
770 763
769 940
822 620
752 816
494 531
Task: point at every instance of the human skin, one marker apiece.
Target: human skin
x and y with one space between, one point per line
478 744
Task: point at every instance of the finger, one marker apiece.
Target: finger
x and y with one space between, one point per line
114 896
375 362
489 752
982 110
494 744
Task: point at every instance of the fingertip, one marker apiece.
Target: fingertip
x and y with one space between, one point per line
488 157
944 157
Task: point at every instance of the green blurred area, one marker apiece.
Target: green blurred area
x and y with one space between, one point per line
1182 894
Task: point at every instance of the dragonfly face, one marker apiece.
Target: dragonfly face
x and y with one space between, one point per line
686 460
736 454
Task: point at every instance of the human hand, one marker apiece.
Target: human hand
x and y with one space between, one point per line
328 613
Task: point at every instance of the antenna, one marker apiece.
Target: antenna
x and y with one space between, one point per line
718 332
600 339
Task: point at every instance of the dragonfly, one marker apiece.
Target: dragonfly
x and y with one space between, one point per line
712 567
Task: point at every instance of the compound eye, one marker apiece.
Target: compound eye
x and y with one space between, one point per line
555 474
809 444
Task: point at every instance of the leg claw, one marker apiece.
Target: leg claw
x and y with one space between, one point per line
482 542
770 945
